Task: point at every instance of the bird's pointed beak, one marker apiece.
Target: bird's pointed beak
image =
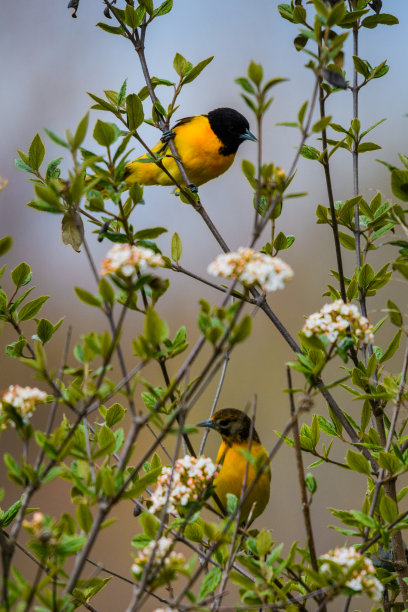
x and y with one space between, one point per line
207 423
247 135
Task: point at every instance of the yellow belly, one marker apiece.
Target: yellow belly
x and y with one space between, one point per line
231 476
197 146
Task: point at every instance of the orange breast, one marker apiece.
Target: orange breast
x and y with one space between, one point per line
232 474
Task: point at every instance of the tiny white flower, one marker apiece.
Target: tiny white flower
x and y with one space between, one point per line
190 478
127 259
251 268
338 319
23 399
363 579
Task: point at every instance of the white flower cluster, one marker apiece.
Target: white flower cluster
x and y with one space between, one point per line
252 268
161 548
334 321
362 579
23 399
126 259
191 477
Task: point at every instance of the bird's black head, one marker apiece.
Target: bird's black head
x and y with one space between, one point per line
231 128
233 425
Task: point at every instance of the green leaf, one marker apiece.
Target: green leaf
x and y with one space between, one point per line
133 17
136 193
388 509
392 347
21 275
134 110
84 517
150 233
337 14
145 481
232 503
45 330
141 540
181 65
245 84
106 441
122 94
326 426
299 14
365 276
389 462
164 8
150 524
255 72
399 184
194 532
372 21
194 72
104 133
106 291
263 542
5 244
87 297
155 329
347 241
176 247
367 146
29 310
46 194
108 28
10 514
310 152
22 166
358 463
36 153
114 415
210 583
148 4
321 124
80 132
286 12
242 330
55 138
361 66
394 313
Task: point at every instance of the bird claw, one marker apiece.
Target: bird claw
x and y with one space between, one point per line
192 187
167 136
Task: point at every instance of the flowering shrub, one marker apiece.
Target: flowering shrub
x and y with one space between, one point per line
186 483
251 268
126 260
336 321
117 413
356 571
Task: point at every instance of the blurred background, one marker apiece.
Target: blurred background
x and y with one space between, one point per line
49 61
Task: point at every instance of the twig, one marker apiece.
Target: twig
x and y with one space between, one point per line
334 224
216 398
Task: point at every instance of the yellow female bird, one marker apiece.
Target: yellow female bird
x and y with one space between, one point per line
206 144
235 428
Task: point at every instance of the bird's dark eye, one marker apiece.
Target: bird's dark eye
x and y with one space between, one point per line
224 424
